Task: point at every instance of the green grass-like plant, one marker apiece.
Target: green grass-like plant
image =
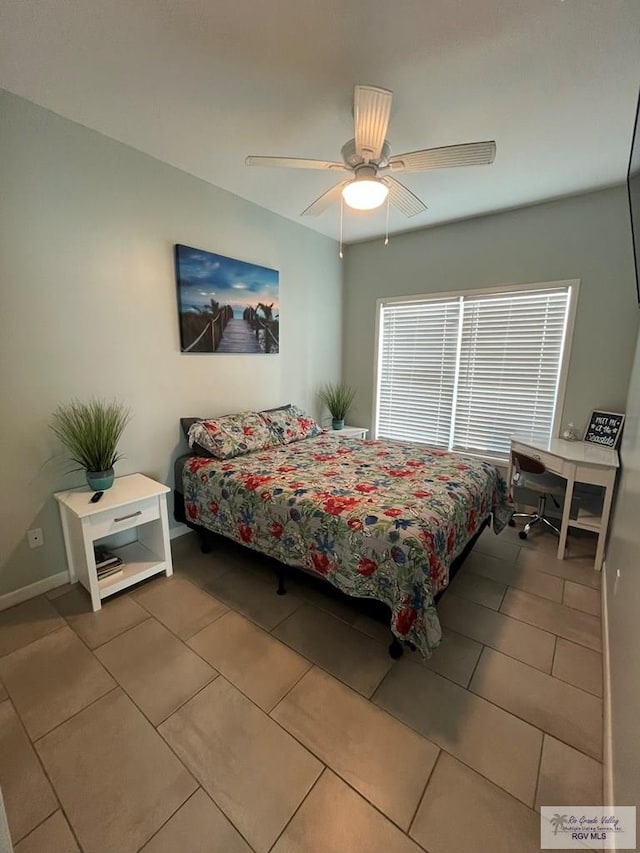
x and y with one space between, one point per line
338 399
91 431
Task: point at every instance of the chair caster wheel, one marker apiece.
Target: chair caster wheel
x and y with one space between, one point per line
511 523
522 534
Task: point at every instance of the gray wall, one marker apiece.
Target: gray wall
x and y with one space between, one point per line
88 306
585 237
623 607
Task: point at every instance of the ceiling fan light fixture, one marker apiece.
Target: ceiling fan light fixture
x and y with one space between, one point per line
365 193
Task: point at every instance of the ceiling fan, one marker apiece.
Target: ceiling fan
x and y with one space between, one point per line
367 157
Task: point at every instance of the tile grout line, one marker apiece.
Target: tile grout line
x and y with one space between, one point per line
51 785
33 741
424 792
536 570
40 764
164 823
276 722
335 771
377 808
532 625
507 587
537 787
70 625
287 692
414 731
173 814
476 665
181 705
550 673
382 680
124 631
234 606
542 731
504 711
175 634
315 663
553 657
31 642
76 713
571 684
169 746
299 806
553 634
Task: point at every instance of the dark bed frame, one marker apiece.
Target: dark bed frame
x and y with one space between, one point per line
376 609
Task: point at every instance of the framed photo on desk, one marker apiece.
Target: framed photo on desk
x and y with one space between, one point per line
604 428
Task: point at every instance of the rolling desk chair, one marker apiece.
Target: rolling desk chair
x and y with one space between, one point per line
531 474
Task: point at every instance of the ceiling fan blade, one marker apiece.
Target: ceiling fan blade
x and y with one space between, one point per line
371 111
322 203
402 198
470 154
293 163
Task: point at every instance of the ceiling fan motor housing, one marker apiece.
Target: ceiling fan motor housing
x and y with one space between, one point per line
352 159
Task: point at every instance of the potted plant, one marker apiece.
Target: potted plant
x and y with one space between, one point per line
337 398
91 432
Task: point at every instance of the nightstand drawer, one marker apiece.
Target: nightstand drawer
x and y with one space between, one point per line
124 517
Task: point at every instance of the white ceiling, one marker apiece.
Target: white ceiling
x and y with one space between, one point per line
202 83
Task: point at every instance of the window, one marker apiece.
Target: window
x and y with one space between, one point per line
467 371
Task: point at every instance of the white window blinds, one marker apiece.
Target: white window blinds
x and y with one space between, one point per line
467 373
417 366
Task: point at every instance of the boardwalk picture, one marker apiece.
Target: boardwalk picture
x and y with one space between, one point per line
226 306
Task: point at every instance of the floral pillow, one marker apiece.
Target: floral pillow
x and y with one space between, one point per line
291 424
231 435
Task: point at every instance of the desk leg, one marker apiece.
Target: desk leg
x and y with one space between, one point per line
604 524
564 527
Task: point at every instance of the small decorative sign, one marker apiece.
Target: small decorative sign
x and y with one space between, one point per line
605 428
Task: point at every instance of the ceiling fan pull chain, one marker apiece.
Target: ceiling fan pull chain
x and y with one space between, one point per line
386 237
340 255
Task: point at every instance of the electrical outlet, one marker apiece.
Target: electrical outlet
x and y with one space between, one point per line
35 538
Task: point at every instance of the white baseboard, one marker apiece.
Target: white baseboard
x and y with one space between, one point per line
9 599
17 596
607 746
179 530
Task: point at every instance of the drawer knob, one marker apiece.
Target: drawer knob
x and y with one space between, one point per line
125 517
535 456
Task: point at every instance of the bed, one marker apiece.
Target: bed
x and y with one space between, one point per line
377 519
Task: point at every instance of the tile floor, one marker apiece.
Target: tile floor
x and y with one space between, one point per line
204 713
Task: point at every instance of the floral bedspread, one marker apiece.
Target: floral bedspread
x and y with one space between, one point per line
377 519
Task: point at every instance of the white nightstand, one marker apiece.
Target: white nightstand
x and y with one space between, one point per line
350 432
131 518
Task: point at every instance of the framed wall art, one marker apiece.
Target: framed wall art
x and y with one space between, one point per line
225 305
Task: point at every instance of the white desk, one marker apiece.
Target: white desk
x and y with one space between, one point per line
576 462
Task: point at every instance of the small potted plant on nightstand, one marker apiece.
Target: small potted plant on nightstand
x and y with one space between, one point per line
91 432
337 398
